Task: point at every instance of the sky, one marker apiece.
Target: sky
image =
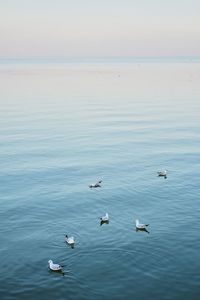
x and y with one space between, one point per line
99 28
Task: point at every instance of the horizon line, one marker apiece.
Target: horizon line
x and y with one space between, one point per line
68 59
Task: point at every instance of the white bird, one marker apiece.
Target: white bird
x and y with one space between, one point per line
95 185
162 173
69 240
54 267
105 218
139 225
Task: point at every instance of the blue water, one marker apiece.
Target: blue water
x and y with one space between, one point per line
64 126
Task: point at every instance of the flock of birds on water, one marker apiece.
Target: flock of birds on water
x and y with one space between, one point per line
104 219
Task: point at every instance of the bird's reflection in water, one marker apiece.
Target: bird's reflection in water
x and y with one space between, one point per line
104 222
164 176
59 272
141 229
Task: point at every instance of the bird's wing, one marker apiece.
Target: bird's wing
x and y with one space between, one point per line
55 266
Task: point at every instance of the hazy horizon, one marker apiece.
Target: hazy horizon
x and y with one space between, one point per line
88 59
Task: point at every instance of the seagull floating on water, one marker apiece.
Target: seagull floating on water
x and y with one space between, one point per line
96 185
105 218
54 267
69 240
140 226
162 173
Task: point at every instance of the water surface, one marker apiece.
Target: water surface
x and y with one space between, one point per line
63 126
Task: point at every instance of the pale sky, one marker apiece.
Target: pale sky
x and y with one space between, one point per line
99 28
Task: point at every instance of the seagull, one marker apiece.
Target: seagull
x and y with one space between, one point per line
162 173
105 218
69 240
54 267
140 226
95 185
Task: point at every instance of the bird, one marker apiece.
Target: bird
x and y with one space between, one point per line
95 185
140 226
69 240
105 218
162 173
54 267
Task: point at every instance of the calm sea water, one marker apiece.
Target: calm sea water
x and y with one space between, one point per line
65 125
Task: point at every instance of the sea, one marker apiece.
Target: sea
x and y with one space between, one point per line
65 124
